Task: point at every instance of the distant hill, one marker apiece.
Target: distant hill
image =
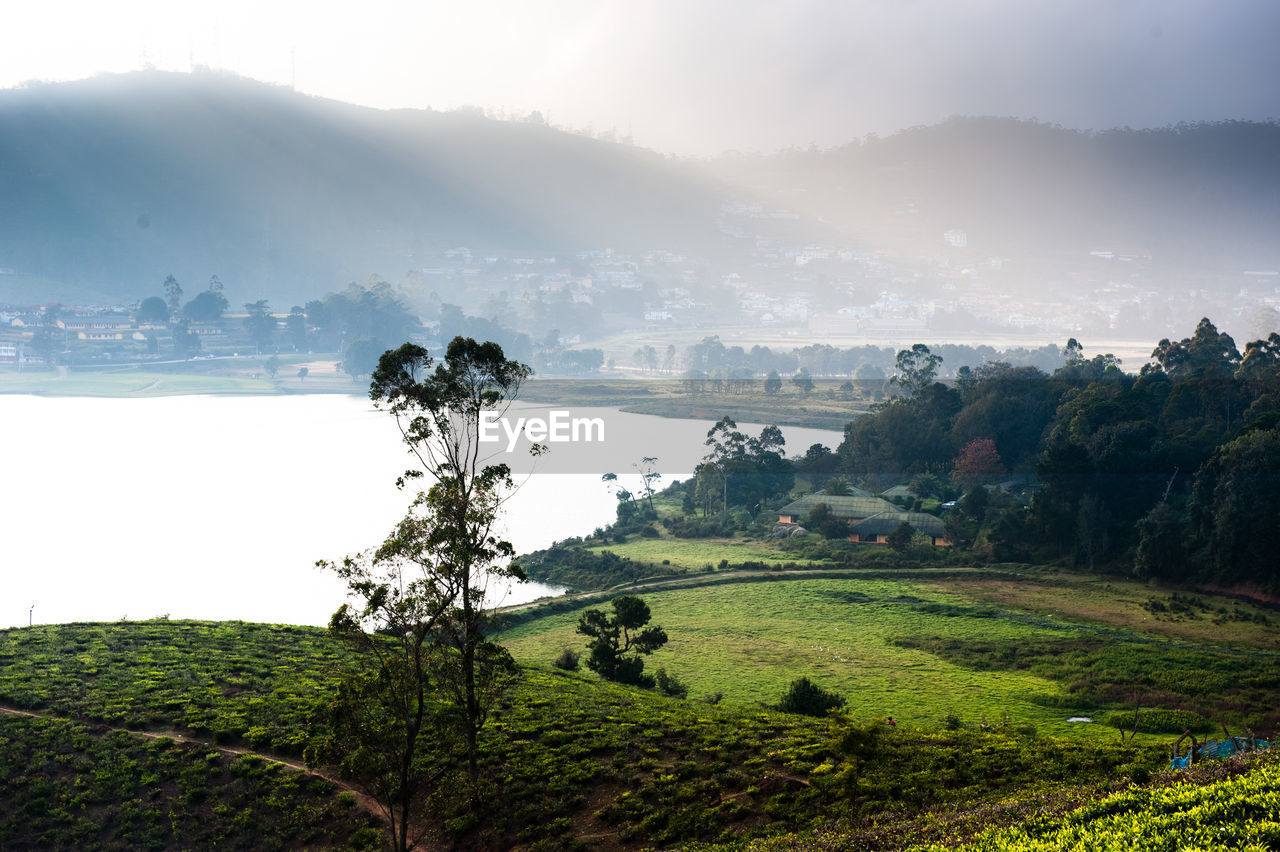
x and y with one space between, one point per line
108 185
1195 197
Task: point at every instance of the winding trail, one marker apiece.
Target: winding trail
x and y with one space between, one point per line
365 801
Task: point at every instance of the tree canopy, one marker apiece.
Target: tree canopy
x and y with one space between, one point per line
152 309
207 306
739 470
619 639
1166 472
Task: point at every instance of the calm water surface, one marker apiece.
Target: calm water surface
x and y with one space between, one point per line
219 507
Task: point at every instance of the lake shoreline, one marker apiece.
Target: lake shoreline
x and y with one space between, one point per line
633 396
217 507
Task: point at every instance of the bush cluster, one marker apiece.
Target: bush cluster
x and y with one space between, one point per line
808 699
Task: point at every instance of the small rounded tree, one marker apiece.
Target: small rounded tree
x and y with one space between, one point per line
808 699
568 660
153 309
822 520
900 538
838 486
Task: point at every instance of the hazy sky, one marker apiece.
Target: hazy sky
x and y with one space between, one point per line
700 76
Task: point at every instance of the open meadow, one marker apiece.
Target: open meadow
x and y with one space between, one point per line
980 690
925 646
165 718
244 376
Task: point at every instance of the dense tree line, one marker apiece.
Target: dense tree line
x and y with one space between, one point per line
1173 472
710 365
739 470
373 312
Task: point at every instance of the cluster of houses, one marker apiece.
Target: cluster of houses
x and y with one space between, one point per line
92 326
19 326
871 518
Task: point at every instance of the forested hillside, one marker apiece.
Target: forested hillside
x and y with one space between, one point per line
1174 471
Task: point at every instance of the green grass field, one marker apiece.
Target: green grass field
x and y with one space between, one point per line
131 383
1124 604
666 397
573 761
244 376
697 554
915 650
750 640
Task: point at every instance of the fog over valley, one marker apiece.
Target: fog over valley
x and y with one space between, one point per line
970 229
716 424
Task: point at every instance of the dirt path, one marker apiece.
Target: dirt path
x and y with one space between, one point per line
364 801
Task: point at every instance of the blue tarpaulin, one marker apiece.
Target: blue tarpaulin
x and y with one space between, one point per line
1217 749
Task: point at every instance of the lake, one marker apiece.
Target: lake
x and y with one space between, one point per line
218 507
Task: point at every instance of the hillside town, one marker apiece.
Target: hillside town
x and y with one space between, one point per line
786 291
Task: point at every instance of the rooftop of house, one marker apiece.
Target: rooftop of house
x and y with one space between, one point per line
898 491
886 522
841 507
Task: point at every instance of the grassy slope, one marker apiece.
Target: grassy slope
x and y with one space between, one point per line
696 554
68 785
911 648
1127 605
576 758
750 640
202 678
568 756
1230 804
668 398
1237 812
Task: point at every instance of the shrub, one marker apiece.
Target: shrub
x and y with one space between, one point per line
808 699
827 524
568 660
1157 721
696 527
951 722
669 684
900 538
586 569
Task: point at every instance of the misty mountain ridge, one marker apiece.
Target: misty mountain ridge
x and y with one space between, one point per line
115 182
1202 197
108 185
